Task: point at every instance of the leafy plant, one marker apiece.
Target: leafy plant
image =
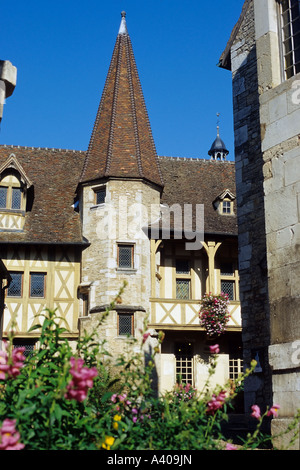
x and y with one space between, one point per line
61 399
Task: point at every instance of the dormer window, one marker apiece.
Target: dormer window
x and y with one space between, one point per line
227 207
224 203
13 190
11 193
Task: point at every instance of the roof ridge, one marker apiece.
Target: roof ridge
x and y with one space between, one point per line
145 109
99 111
135 125
114 105
53 149
195 159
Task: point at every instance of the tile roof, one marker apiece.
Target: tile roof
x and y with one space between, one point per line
200 181
54 175
122 144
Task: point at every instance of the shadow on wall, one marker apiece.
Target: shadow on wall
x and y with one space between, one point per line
251 224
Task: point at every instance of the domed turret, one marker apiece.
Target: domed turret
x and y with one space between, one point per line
218 150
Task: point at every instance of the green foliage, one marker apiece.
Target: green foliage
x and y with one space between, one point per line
121 412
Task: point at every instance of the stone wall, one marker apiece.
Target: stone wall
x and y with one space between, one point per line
280 118
251 214
129 206
267 151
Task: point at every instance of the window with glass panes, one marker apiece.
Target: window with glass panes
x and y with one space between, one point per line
10 197
184 362
37 284
290 36
125 256
100 196
15 287
183 279
16 198
235 367
229 280
3 197
226 207
125 324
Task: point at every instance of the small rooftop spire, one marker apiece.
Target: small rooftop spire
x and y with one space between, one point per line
123 26
218 150
218 127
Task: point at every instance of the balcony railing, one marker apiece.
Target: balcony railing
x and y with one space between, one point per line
178 314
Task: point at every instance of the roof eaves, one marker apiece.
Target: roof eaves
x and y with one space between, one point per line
225 59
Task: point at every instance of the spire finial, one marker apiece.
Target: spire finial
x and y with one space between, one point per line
218 124
123 27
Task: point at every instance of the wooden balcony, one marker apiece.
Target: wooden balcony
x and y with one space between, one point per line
172 314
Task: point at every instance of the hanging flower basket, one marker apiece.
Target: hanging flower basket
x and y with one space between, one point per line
214 314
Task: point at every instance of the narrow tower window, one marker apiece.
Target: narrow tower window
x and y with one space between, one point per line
125 256
125 324
100 196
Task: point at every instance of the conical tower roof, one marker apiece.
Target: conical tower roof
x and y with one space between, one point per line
121 144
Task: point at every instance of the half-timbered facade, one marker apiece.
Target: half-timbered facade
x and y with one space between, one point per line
75 225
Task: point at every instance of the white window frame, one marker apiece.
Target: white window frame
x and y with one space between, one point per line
283 53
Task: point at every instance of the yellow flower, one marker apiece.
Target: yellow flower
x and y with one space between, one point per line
116 419
109 440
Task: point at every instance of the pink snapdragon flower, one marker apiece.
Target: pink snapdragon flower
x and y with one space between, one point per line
216 402
78 387
9 436
10 366
146 336
273 411
255 411
214 349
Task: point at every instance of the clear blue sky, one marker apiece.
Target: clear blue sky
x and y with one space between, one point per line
62 50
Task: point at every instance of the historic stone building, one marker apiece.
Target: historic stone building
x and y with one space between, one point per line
75 225
263 54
